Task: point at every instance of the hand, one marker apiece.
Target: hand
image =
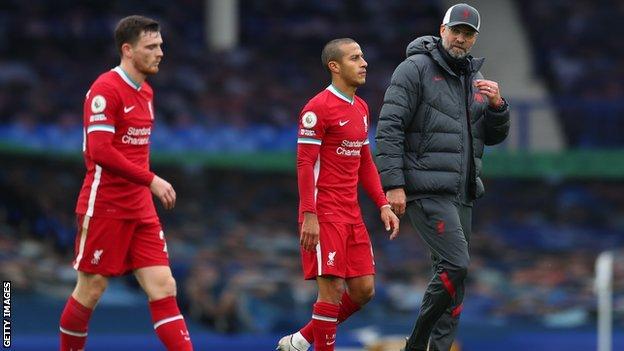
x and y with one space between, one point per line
396 199
309 231
491 90
164 192
391 221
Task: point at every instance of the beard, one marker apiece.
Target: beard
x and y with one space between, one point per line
146 69
356 80
454 52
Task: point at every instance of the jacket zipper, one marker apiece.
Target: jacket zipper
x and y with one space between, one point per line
469 180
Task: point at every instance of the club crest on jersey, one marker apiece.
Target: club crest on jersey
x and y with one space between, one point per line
97 254
98 104
330 258
309 119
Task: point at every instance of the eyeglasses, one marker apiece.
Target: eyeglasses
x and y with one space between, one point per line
468 34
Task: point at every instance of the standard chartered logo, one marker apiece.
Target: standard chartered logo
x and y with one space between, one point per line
139 131
137 136
350 148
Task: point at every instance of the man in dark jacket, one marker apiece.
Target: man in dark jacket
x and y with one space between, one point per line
438 114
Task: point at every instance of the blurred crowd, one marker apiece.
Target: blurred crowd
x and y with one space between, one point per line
246 98
576 50
204 100
235 251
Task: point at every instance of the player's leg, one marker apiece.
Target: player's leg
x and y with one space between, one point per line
325 312
359 277
360 290
97 255
326 264
75 318
160 287
360 272
325 318
157 282
150 262
437 221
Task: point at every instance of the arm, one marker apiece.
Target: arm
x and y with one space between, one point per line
311 131
103 153
497 114
307 154
400 104
369 178
496 125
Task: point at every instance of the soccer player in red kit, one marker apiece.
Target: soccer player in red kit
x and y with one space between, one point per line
119 231
333 157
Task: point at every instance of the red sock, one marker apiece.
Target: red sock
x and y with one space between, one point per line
169 324
324 324
347 308
308 332
73 325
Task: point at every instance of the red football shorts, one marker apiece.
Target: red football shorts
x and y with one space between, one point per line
113 247
344 250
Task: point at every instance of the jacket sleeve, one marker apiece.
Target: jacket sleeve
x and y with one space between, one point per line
399 107
496 126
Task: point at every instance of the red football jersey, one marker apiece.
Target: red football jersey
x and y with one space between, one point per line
338 128
116 104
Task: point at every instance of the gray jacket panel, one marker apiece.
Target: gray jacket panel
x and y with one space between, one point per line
419 134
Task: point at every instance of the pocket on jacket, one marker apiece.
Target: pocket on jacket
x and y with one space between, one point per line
427 206
425 134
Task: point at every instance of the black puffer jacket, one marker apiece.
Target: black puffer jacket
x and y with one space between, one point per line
420 143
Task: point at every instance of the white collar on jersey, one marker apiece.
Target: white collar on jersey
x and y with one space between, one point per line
126 78
340 94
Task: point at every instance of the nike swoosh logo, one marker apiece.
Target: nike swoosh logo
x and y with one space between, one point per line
128 109
330 342
342 123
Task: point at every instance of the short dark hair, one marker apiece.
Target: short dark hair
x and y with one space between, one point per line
129 29
332 52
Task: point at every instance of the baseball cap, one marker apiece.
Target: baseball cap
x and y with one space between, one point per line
462 14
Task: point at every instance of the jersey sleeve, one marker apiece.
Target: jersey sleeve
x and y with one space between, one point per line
103 153
310 136
369 178
311 126
101 108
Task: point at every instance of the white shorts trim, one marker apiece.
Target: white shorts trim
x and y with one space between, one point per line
83 241
319 259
